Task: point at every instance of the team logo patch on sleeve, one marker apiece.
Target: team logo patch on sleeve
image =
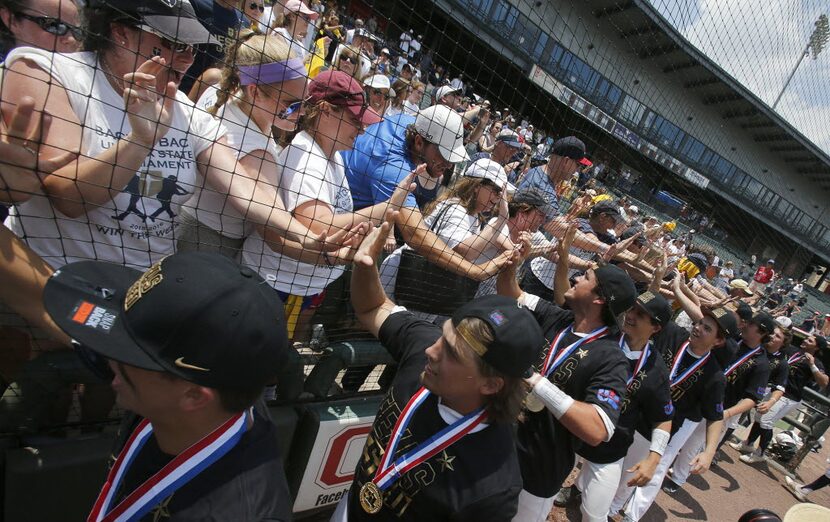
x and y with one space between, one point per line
762 391
609 396
497 317
719 407
668 409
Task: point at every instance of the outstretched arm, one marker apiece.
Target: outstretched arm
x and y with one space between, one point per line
371 305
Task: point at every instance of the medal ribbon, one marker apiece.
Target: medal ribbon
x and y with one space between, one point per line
640 362
170 478
548 367
676 380
749 355
794 358
389 471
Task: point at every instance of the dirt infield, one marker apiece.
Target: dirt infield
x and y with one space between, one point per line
727 491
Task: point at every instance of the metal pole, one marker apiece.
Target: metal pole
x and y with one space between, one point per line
787 83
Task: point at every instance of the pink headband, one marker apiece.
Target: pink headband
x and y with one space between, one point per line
275 72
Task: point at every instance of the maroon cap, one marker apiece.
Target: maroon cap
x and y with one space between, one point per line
340 89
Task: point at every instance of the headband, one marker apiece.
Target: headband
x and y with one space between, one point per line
274 72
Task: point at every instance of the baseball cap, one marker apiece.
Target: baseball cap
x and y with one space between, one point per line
298 6
821 342
509 138
586 162
487 169
783 321
771 262
570 147
740 284
174 19
442 126
726 321
445 90
378 81
630 231
806 512
634 209
655 306
532 197
765 321
617 288
607 207
196 315
341 90
699 260
517 337
384 51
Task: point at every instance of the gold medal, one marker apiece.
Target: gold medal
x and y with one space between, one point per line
371 498
532 403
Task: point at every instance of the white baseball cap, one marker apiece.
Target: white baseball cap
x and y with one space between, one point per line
445 90
298 6
442 126
634 209
377 81
783 321
486 168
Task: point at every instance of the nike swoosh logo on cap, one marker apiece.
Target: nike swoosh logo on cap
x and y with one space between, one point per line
181 364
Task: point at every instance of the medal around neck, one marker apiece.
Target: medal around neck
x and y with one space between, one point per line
371 498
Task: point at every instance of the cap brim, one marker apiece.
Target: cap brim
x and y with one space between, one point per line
456 155
514 144
367 116
85 300
186 30
586 162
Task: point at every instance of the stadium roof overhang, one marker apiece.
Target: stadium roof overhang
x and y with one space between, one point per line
652 37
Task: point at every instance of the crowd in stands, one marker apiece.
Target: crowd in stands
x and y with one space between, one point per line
281 136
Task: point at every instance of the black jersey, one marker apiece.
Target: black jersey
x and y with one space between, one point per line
476 478
246 484
647 402
778 370
799 373
698 396
596 374
670 337
749 379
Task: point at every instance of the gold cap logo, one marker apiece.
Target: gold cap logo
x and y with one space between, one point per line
144 284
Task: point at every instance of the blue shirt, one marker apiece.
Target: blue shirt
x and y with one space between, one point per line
537 178
379 161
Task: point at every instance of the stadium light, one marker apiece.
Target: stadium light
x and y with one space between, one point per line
818 40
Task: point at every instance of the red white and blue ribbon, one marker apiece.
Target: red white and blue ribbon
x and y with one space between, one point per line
554 357
794 358
170 478
640 362
749 355
676 380
389 471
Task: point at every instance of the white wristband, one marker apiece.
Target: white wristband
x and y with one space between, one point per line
659 441
554 399
814 368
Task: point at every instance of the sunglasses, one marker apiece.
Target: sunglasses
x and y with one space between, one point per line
255 6
291 109
350 59
52 25
167 43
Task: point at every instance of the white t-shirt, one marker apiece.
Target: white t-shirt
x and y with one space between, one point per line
410 108
137 227
305 174
213 208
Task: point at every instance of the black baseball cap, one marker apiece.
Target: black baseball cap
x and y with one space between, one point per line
744 311
174 19
570 147
607 207
616 287
699 260
517 337
821 342
532 197
765 321
726 321
196 315
630 231
655 306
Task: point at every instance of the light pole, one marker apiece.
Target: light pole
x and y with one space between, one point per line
817 42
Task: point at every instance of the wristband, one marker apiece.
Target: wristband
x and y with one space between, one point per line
554 399
814 368
659 441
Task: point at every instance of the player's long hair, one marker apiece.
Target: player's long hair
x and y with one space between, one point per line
506 404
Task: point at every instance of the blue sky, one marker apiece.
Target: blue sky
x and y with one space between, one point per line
759 42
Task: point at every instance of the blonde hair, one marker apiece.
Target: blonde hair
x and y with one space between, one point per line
465 190
506 404
252 48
